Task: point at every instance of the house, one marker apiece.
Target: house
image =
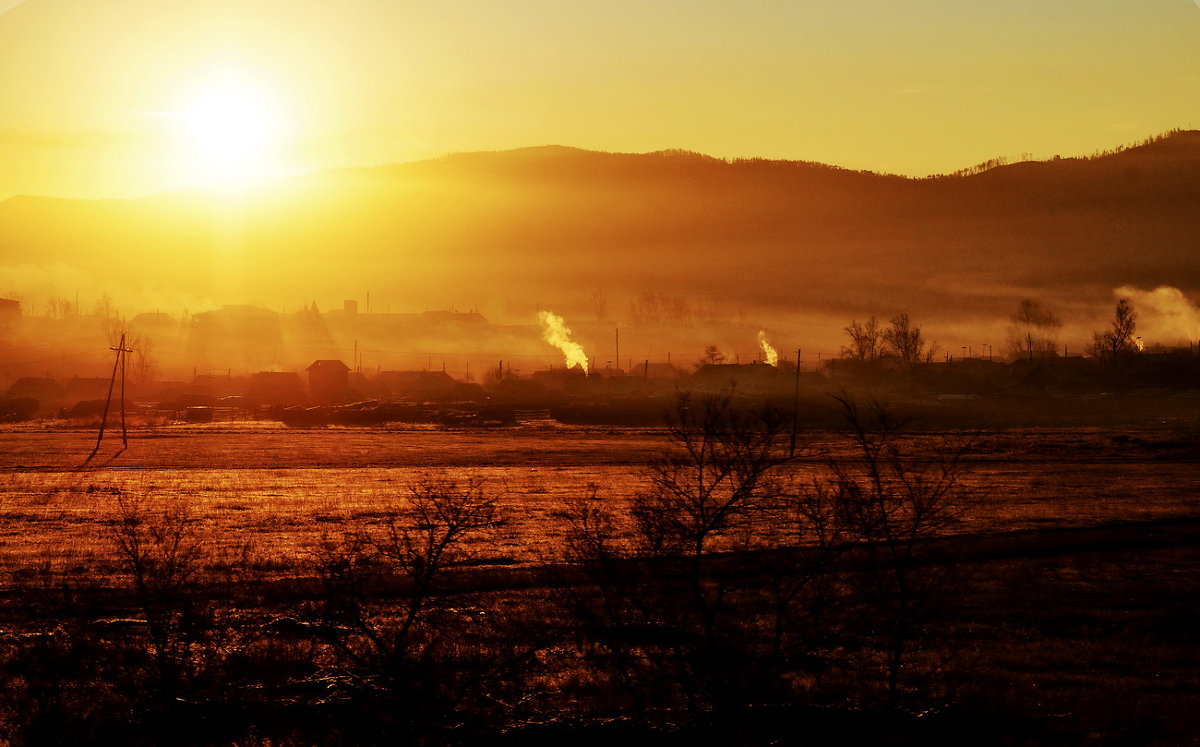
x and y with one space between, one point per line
218 385
241 338
328 382
276 388
421 385
35 395
560 379
79 390
745 378
1073 375
41 389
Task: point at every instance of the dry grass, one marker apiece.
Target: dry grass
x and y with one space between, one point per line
282 490
1051 642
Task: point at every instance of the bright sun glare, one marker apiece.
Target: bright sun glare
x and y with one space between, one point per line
231 129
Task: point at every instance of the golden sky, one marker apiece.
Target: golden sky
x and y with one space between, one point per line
103 98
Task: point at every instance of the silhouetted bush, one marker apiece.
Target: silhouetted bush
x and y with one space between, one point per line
714 603
891 498
421 656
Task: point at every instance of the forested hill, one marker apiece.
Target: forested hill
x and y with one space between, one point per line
552 223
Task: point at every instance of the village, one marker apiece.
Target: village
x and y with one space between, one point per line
1158 382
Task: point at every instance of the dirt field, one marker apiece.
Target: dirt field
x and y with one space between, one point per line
1069 624
281 489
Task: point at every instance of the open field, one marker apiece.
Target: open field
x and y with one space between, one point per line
283 489
1061 604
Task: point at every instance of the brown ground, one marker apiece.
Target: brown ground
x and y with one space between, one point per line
1077 621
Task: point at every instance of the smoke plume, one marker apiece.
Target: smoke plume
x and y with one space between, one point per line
770 354
556 332
1165 313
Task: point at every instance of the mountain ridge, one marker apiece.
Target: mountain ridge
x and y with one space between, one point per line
555 221
1174 145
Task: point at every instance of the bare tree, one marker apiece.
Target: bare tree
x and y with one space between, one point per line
713 477
422 539
144 366
431 535
1117 344
60 308
653 307
666 623
161 552
105 307
903 339
1033 329
394 623
866 340
712 356
599 299
892 497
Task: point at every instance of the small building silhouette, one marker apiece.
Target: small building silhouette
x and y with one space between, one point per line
560 379
78 390
218 385
42 389
328 382
276 388
745 378
37 394
433 386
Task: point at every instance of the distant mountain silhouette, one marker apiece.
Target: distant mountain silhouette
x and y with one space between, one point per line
551 223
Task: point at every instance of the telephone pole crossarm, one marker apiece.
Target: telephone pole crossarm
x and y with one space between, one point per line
118 365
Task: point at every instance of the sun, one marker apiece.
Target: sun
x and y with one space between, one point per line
230 129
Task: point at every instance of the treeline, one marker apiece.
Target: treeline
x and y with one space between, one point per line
993 163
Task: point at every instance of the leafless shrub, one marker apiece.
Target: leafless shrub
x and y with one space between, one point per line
801 541
669 617
713 479
397 627
747 581
161 553
891 499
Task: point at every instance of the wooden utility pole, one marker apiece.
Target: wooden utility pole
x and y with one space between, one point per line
796 405
118 365
122 354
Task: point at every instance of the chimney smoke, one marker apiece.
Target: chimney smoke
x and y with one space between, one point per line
556 332
770 354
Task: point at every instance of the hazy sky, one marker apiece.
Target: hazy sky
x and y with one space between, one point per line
114 97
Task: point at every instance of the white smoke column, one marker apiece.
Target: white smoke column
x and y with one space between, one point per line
1166 312
556 332
769 352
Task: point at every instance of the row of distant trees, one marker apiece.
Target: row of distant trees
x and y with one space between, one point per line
999 161
1034 329
1033 332
900 338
